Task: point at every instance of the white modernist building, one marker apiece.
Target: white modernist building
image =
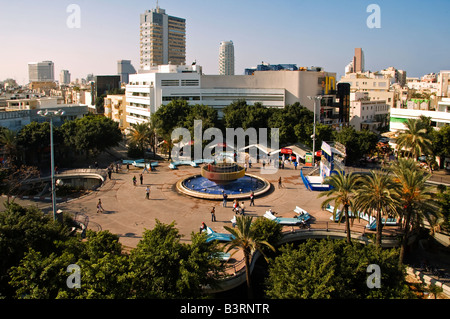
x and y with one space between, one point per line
148 90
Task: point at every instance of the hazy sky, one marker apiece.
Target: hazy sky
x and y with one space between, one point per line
414 35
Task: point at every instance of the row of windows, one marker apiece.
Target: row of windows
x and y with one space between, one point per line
139 116
177 83
143 106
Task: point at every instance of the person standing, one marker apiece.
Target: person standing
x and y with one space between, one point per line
252 199
225 196
242 209
213 214
147 192
280 184
134 180
141 178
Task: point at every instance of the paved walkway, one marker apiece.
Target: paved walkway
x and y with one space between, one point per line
128 213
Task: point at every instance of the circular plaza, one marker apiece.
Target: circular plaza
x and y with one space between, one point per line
128 213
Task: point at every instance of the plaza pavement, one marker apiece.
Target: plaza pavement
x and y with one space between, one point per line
128 213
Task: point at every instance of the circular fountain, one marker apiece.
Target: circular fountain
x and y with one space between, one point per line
221 177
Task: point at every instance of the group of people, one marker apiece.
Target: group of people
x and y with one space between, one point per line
225 198
238 208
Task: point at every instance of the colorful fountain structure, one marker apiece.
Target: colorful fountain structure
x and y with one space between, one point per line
223 176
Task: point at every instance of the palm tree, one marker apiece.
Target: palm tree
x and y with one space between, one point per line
246 239
378 193
415 197
140 135
415 139
343 194
8 139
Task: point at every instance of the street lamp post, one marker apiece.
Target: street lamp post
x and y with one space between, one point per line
316 99
51 115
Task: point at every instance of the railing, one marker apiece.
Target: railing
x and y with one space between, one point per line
389 232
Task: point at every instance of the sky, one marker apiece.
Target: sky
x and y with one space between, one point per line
413 35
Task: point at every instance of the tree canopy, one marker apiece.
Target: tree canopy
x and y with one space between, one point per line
332 269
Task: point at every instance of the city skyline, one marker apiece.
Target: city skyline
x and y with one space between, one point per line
412 34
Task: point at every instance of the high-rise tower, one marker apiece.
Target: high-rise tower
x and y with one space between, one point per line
226 58
358 61
162 39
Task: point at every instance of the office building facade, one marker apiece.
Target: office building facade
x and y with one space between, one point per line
41 71
148 90
162 39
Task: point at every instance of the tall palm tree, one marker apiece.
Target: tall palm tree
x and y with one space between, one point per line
417 199
246 239
377 194
415 139
343 194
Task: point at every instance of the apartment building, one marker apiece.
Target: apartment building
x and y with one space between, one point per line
366 113
162 39
226 58
377 86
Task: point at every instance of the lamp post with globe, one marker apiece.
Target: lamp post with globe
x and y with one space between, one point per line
51 115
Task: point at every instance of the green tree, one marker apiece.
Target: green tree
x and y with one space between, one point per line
377 195
332 269
443 197
416 198
8 141
170 116
415 139
441 142
103 269
163 267
22 229
357 144
267 230
343 193
92 134
140 136
246 240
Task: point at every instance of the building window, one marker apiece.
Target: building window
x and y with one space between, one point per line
170 83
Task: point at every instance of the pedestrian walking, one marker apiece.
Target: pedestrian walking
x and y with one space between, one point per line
280 184
235 205
99 206
141 178
213 214
147 192
252 199
225 196
134 180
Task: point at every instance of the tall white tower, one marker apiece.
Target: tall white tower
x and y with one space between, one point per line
226 58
